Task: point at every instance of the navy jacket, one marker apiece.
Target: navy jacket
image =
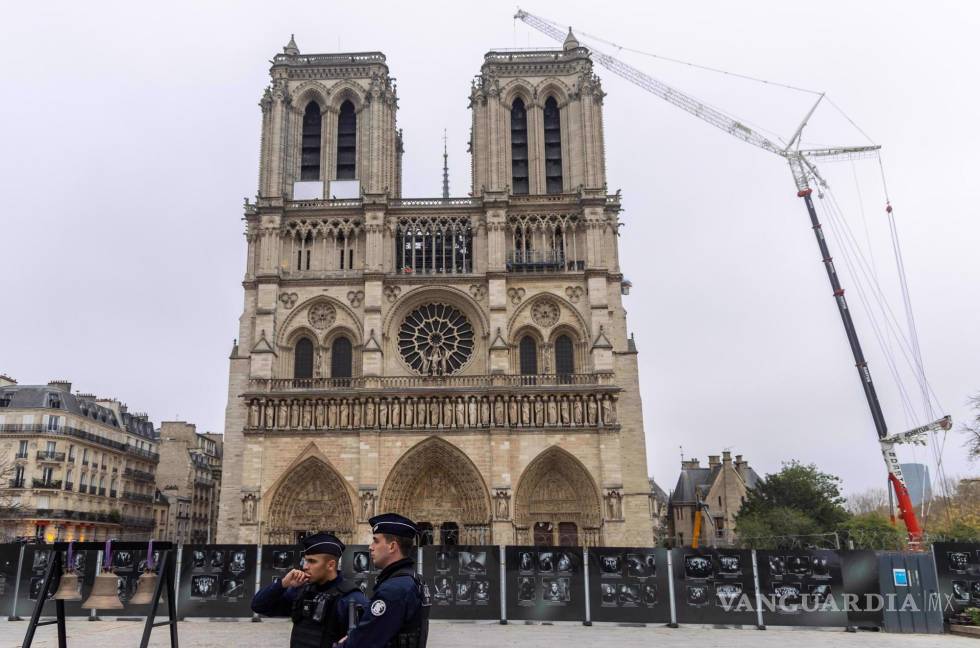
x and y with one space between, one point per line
277 601
395 601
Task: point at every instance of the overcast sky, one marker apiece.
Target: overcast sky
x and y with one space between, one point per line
130 135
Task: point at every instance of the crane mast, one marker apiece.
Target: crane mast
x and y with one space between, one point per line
803 169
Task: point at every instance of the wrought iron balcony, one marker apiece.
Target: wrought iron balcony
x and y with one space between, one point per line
21 455
45 455
139 475
16 483
46 483
137 497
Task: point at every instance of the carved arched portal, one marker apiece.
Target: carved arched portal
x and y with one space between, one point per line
436 485
557 502
311 497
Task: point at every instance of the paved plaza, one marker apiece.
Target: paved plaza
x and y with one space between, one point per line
275 634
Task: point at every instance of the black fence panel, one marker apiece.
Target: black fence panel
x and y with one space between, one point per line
216 580
629 585
356 565
9 560
715 586
958 568
860 570
545 583
802 588
464 581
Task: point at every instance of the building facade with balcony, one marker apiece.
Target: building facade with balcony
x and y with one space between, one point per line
462 361
190 471
68 461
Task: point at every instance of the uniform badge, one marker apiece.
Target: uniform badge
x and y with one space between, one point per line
378 608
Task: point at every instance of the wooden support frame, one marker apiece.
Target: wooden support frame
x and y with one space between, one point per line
166 570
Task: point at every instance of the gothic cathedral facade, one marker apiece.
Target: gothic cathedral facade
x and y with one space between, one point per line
462 361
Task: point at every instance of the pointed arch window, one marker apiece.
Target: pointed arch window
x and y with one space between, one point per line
564 356
341 358
528 350
346 142
310 166
303 362
518 147
552 146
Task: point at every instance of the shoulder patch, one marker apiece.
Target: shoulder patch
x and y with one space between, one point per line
378 608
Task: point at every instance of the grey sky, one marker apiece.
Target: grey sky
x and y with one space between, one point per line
130 136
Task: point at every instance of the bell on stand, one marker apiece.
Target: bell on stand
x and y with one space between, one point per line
105 593
146 586
105 590
68 589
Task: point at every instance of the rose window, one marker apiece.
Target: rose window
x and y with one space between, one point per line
436 340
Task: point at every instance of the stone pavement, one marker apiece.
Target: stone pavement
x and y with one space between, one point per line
275 634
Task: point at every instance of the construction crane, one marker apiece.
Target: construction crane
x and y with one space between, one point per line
803 169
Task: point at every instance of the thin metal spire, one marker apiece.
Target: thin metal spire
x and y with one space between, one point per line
445 166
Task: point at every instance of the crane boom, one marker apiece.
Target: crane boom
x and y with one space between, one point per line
803 169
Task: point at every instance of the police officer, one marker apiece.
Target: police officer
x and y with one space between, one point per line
320 602
398 615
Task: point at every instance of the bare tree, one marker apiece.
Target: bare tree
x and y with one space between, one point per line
972 430
9 504
873 500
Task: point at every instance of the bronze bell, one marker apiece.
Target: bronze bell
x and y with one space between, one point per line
145 587
68 589
105 593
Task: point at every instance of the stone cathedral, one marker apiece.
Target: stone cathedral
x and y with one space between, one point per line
462 361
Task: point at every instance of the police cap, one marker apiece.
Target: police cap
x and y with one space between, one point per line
393 524
322 543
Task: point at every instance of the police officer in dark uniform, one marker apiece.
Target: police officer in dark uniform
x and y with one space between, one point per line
398 615
321 604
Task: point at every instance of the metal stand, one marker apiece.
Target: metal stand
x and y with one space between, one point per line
52 576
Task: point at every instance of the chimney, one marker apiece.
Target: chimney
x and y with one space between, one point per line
712 461
63 385
726 456
690 464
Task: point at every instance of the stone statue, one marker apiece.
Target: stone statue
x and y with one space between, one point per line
472 411
460 412
282 416
447 412
367 505
552 411
248 508
396 413
512 411
538 411
591 410
614 505
484 411
369 413
409 417
344 414
498 411
268 415
434 412
566 418
332 414
577 411
307 415
501 501
608 411
383 413
253 413
355 414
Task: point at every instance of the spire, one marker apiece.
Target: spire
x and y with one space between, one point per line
291 49
445 166
570 41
